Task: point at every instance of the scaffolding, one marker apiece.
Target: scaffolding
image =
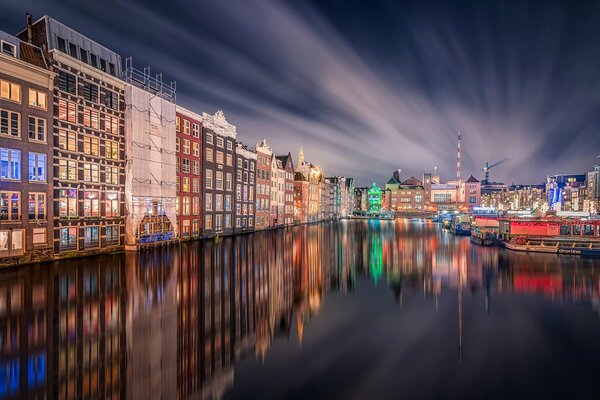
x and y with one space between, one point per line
150 184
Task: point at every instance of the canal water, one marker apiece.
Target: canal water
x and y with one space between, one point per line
352 309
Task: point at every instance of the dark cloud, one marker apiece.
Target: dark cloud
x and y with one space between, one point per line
369 87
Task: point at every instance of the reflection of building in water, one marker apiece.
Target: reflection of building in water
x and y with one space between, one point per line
151 323
61 330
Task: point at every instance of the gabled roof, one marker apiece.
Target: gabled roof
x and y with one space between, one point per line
392 181
299 176
471 179
412 181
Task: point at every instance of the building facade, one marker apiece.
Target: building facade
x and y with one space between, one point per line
264 154
277 192
218 171
89 141
245 173
26 153
188 147
288 193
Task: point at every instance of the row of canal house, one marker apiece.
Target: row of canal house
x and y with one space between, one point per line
96 156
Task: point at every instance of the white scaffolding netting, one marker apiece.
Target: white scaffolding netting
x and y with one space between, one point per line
150 188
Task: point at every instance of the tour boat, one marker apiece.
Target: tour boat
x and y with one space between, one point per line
556 245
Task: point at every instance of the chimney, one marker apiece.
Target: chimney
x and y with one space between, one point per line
29 29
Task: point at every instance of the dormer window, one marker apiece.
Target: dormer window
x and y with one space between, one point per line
9 48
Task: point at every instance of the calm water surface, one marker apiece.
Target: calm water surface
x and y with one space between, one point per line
343 310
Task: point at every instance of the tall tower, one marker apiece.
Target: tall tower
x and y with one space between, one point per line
458 159
300 156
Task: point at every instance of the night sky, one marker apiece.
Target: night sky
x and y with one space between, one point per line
368 87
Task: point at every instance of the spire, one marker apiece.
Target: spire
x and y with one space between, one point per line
458 160
300 156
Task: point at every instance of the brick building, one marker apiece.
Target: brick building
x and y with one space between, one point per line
188 146
263 185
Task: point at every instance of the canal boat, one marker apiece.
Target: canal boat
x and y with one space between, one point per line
482 237
555 245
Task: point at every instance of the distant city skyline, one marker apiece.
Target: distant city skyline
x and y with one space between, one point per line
368 88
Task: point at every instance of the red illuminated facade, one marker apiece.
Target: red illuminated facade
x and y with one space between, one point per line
188 146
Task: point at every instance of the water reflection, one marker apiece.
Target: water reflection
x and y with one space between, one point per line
176 322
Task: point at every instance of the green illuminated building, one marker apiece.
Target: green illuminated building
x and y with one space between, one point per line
374 197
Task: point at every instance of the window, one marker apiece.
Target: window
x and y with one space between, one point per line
229 159
10 91
67 169
91 172
67 202
228 182
111 69
91 203
91 145
186 205
67 140
208 222
196 205
37 167
67 111
185 165
229 145
68 238
177 166
209 154
91 237
91 118
90 92
39 236
209 179
209 138
228 202
111 175
196 167
112 204
195 130
111 149
8 48
83 55
178 123
185 184
219 157
219 180
37 99
218 222
219 141
10 206
208 202
62 45
37 207
186 127
177 148
112 234
10 123
72 50
94 60
227 220
251 165
103 64
196 149
196 185
67 82
186 146
218 202
111 100
111 124
37 129
10 164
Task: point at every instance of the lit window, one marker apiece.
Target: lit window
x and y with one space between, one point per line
186 127
196 130
208 201
37 167
91 118
67 169
209 154
112 204
91 145
186 184
37 99
10 206
111 149
67 111
67 202
178 124
91 172
67 140
91 204
209 138
10 164
209 178
111 124
68 238
37 207
186 146
10 91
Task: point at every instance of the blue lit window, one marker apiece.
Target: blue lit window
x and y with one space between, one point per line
10 164
37 167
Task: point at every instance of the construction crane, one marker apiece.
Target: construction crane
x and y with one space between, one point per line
487 168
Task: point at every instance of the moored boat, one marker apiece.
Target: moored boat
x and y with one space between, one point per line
556 245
